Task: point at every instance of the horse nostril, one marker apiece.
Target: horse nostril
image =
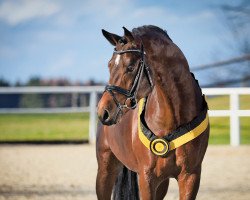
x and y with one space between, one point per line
105 115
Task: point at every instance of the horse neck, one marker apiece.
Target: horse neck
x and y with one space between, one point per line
175 100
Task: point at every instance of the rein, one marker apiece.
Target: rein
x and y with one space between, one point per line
132 92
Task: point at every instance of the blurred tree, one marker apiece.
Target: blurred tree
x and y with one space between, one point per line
18 84
34 81
237 18
4 83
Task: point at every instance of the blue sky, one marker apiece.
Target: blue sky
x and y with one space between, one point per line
59 38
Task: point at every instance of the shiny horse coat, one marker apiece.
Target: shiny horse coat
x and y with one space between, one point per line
125 166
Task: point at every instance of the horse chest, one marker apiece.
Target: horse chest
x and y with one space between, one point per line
120 142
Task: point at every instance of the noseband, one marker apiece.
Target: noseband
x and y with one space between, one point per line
130 94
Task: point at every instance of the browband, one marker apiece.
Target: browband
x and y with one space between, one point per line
129 51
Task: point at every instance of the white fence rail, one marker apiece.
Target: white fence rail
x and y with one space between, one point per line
92 90
234 112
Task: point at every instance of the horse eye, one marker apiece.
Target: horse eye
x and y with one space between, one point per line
130 68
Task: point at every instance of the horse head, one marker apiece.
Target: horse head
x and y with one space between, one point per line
130 78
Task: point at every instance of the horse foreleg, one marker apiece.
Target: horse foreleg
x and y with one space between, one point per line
108 169
147 187
189 184
162 189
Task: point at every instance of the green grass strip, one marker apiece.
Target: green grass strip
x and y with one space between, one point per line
69 126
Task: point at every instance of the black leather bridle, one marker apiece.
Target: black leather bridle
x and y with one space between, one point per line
130 94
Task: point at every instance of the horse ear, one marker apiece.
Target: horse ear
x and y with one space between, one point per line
128 35
112 38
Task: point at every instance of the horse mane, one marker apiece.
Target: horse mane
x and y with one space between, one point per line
168 64
151 30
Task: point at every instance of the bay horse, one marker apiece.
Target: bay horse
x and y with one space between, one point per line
154 124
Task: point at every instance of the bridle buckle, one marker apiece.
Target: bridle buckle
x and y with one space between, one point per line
133 103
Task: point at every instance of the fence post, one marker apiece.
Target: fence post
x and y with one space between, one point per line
74 98
92 117
234 120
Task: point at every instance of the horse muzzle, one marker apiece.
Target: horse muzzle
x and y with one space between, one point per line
107 111
105 117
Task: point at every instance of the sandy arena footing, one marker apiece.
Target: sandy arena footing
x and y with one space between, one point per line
44 172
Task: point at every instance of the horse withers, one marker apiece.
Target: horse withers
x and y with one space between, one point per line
154 124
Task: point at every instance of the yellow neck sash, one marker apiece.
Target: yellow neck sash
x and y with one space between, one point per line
162 145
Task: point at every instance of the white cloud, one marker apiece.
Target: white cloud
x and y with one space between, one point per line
50 36
110 8
16 12
151 11
202 16
165 16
